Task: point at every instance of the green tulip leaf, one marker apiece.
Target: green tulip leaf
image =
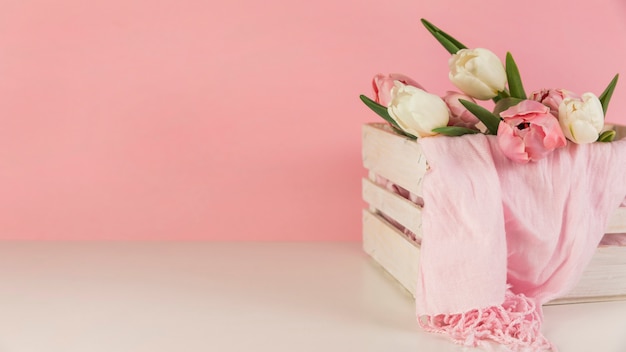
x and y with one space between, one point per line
403 133
504 104
381 111
607 136
490 120
516 88
449 43
605 97
454 131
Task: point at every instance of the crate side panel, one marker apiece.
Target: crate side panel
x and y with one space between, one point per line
391 250
405 212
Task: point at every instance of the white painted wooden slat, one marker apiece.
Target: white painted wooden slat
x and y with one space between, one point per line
389 248
617 222
393 157
402 210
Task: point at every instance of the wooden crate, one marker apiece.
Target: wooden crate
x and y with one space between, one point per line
400 160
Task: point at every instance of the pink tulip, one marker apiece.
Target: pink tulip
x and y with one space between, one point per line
529 132
552 98
459 115
382 85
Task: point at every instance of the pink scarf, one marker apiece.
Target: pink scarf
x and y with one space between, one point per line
501 238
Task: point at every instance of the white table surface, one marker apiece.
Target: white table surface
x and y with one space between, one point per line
203 296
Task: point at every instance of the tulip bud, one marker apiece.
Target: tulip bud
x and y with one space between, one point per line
552 98
479 73
417 111
459 115
581 119
382 85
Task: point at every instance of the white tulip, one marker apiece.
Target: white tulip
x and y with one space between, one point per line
417 111
478 72
581 119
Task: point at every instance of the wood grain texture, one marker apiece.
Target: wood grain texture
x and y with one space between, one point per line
393 157
389 248
402 210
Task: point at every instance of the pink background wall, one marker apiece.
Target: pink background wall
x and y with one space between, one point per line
239 120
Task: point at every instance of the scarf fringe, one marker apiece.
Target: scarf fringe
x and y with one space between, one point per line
515 324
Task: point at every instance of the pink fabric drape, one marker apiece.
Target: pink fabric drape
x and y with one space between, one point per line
500 235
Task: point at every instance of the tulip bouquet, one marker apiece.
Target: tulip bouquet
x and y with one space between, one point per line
527 128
